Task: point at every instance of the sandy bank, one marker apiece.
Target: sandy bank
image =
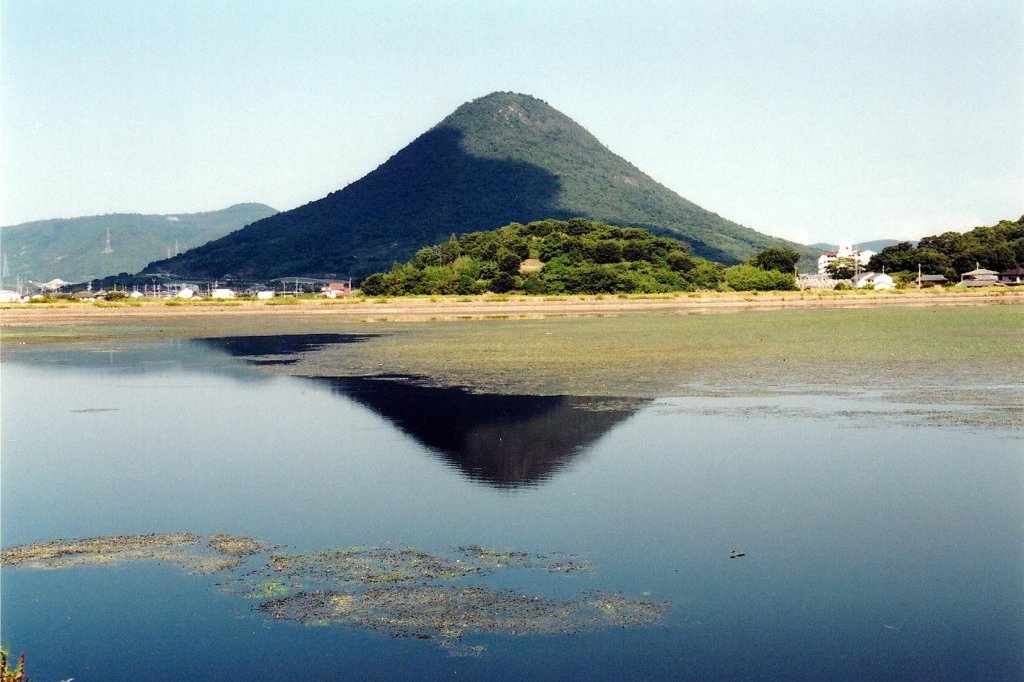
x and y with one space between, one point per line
444 308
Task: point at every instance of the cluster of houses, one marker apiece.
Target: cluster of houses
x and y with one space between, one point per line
979 277
181 290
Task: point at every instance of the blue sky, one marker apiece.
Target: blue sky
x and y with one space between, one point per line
815 121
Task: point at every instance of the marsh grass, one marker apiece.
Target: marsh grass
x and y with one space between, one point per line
651 355
282 300
117 304
943 350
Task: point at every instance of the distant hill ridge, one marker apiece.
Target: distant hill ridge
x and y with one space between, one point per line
499 159
76 249
873 245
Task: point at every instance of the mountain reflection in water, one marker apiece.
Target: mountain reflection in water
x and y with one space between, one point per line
507 441
279 344
503 440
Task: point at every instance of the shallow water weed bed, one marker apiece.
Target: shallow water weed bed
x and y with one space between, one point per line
396 592
449 612
105 549
371 566
180 549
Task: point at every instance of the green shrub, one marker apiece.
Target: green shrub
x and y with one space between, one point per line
750 278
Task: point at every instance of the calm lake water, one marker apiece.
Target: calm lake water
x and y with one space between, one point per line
875 549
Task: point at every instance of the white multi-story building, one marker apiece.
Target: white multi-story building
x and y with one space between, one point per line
844 251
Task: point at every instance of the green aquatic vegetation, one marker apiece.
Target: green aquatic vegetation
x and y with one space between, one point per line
269 589
236 546
106 549
397 592
180 549
371 566
411 593
657 355
489 559
448 612
495 558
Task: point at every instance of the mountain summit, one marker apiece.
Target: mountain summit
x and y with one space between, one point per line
502 158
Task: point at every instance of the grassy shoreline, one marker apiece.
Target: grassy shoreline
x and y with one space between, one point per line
13 316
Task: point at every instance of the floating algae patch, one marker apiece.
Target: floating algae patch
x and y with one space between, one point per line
495 559
181 549
98 550
233 545
410 593
372 566
397 592
268 589
389 565
447 612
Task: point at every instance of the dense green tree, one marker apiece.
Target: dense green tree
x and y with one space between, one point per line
449 251
895 258
947 242
843 268
427 256
680 261
552 245
608 251
931 262
532 284
480 245
508 262
706 274
502 282
751 278
635 248
374 285
781 259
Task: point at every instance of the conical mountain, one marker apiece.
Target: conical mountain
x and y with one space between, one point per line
502 158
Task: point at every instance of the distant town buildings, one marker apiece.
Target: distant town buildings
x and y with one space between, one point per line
1012 276
337 288
979 277
844 251
930 281
873 280
819 281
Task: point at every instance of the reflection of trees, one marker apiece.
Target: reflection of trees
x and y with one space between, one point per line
503 440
